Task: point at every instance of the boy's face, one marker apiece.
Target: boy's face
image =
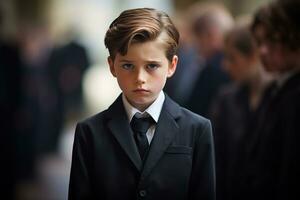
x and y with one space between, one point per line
142 72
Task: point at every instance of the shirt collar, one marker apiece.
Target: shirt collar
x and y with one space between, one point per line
153 110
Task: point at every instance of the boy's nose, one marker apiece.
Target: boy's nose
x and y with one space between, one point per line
141 76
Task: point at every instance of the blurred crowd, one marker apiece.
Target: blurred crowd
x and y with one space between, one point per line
248 84
242 73
41 88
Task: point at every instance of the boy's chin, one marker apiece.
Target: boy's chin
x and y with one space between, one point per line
142 104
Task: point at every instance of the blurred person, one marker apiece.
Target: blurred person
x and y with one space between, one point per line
236 107
210 23
9 100
144 145
69 63
272 170
39 118
181 84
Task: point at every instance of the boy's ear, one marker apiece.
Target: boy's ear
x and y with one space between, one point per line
111 66
172 66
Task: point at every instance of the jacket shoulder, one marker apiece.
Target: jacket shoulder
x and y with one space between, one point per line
193 117
184 116
94 119
192 120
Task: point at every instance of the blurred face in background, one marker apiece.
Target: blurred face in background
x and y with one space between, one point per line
240 66
209 41
272 54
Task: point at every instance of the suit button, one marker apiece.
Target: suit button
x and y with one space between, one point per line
142 193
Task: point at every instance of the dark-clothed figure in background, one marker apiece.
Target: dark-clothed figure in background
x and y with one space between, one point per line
69 63
180 86
209 27
38 119
51 85
236 106
9 100
272 170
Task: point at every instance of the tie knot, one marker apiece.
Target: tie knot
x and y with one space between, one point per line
141 125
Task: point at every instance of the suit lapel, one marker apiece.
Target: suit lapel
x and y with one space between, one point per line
165 132
120 128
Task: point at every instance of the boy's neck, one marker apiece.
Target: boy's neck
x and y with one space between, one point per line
154 109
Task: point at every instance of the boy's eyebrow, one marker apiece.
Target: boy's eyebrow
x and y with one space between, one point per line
124 60
153 61
147 61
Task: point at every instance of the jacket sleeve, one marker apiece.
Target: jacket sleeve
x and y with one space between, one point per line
80 177
202 182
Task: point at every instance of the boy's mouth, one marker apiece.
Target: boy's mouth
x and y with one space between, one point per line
141 90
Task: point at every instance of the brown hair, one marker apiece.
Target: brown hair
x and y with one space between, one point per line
141 25
281 22
241 39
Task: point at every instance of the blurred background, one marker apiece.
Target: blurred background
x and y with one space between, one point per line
53 73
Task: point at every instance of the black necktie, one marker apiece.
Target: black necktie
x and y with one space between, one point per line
140 127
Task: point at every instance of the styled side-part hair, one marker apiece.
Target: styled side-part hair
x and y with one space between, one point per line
141 25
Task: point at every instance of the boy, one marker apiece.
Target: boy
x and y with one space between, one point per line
173 157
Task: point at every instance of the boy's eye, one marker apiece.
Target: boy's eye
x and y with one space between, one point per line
127 66
152 66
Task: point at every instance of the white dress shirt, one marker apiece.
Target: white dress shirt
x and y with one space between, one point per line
153 110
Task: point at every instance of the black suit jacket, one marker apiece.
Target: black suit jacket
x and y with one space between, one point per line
272 170
106 163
